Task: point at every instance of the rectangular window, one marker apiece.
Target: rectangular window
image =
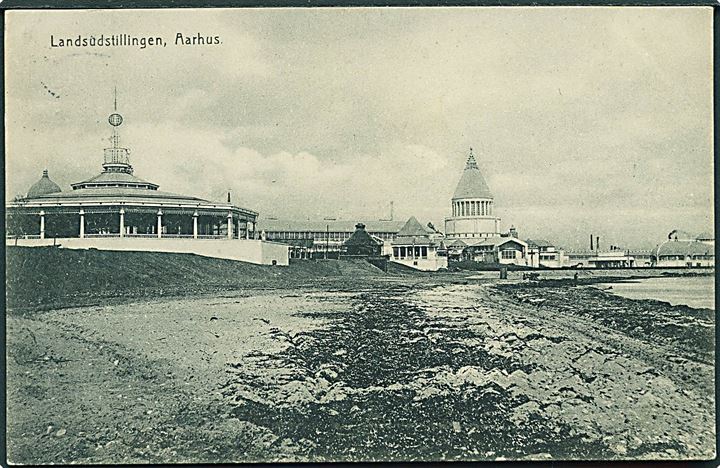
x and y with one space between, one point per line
508 254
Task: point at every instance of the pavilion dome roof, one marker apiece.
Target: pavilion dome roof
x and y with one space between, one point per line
115 179
43 186
472 183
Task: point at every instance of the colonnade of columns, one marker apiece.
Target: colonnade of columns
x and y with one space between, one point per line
472 208
159 230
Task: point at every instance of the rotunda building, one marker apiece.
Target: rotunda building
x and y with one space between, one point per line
116 203
472 206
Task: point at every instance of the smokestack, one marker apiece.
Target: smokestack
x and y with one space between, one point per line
228 196
591 242
597 242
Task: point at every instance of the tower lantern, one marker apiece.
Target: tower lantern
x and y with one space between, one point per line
117 158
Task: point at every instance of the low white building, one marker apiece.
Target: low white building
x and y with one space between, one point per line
542 253
419 247
504 250
685 250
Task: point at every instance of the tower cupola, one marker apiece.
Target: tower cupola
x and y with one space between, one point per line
117 170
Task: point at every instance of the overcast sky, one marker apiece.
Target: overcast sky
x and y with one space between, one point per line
583 120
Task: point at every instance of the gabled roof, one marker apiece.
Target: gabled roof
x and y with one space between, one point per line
456 243
495 241
414 233
472 184
539 243
413 228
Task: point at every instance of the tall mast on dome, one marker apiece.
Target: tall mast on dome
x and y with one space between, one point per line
116 157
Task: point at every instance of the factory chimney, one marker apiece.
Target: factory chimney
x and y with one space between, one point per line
597 242
591 242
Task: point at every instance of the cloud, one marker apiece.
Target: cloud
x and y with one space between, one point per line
582 118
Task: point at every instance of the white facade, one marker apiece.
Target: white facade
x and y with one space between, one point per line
419 247
472 207
244 250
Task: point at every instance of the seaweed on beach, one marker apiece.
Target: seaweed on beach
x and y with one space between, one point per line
381 382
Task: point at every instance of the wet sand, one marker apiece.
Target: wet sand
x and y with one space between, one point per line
404 369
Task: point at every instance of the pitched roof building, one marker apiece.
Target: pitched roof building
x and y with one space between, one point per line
419 247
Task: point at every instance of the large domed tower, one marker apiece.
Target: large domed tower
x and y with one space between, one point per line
472 206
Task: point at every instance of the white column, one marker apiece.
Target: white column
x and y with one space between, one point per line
247 229
195 229
42 225
122 222
159 224
229 226
82 224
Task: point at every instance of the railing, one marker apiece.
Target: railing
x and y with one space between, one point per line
177 236
24 236
113 234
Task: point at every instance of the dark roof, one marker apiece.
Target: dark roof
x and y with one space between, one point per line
539 243
120 192
414 233
456 243
472 184
493 241
118 178
413 227
43 186
361 237
685 248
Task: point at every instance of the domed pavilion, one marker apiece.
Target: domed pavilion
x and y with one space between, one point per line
117 203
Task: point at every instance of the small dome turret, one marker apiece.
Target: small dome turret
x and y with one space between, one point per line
44 186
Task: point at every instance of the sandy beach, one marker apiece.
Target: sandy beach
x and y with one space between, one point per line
378 368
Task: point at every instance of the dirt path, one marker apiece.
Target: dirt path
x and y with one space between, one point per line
384 372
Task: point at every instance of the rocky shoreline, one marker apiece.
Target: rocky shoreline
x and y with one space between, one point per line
379 369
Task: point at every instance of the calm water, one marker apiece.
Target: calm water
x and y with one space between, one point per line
698 291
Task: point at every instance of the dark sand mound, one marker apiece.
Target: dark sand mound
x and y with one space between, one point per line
47 277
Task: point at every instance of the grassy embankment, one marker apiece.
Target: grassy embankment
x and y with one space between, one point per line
49 277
